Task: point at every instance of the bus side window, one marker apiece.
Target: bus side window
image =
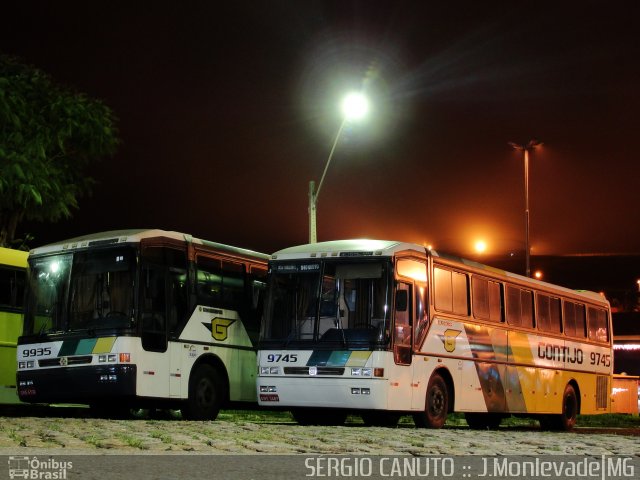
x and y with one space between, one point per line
486 299
233 293
519 308
451 291
598 328
574 320
209 281
11 288
548 313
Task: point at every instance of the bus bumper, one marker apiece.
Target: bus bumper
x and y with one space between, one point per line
349 393
87 384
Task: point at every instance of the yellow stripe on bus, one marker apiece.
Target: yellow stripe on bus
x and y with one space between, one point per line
358 359
104 345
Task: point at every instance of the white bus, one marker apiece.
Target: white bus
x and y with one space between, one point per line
386 328
141 319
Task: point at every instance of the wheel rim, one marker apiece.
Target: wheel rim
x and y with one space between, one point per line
570 408
205 393
436 402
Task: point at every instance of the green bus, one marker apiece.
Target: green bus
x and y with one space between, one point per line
13 267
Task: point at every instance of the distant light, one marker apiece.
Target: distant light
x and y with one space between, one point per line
355 106
538 274
480 246
626 346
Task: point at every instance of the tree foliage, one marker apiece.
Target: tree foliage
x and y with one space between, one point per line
49 135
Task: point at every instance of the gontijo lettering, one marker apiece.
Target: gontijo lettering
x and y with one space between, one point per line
560 353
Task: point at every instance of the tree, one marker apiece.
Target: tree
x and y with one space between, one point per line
49 135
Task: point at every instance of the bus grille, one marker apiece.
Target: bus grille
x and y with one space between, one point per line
58 362
320 371
602 391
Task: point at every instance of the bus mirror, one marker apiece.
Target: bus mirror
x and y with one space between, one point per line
402 300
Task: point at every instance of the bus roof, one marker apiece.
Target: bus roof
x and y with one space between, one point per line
342 248
388 248
134 236
13 258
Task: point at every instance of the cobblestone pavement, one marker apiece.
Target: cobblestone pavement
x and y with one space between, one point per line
57 435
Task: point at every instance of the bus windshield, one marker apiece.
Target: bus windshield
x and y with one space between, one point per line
82 291
330 304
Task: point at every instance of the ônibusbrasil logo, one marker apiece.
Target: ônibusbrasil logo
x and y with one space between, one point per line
34 468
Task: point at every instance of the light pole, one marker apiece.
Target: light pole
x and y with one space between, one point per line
354 107
526 149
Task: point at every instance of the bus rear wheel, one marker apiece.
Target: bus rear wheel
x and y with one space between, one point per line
567 419
206 394
436 404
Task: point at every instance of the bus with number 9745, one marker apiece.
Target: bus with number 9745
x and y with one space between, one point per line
141 319
385 328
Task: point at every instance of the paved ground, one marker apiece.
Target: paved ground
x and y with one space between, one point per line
232 435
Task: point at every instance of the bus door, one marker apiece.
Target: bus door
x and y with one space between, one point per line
163 310
401 377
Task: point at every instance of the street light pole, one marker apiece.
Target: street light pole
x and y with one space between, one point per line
354 106
526 149
313 195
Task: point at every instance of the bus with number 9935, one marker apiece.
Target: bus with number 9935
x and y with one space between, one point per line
141 319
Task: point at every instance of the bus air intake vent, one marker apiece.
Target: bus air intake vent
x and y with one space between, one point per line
64 361
319 371
602 391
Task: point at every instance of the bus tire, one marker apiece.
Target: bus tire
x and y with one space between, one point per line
206 394
483 421
436 404
567 419
376 418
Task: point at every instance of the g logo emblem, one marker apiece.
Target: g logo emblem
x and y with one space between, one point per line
220 327
449 339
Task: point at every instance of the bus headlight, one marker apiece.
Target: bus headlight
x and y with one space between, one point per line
361 372
269 370
360 391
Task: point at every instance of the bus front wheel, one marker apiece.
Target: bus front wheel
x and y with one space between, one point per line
436 404
206 394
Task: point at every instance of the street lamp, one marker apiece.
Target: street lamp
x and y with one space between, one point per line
354 107
480 246
526 149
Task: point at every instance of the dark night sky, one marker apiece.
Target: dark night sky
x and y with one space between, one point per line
228 109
